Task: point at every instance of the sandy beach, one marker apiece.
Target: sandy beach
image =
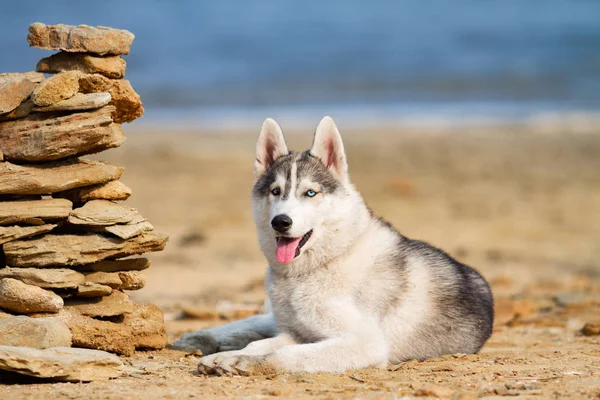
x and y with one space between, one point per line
519 203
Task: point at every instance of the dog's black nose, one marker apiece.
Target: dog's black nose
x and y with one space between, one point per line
281 223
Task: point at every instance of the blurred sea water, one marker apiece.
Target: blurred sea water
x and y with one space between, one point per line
210 61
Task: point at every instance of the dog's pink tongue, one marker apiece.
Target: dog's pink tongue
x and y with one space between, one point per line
286 249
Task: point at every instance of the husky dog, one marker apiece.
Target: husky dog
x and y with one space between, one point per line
346 290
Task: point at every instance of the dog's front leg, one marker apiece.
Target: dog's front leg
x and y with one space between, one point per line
222 363
330 355
233 336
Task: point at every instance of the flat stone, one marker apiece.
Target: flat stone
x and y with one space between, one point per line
110 66
127 102
23 110
113 190
49 137
60 250
48 278
38 138
23 298
116 303
105 216
10 233
13 92
130 230
130 264
110 279
55 177
35 77
56 88
131 280
102 213
148 326
39 333
92 289
61 363
31 212
143 328
79 102
124 231
80 39
13 212
97 334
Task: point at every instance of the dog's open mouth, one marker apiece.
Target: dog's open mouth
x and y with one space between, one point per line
289 248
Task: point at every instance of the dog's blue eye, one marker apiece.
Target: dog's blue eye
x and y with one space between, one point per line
311 193
276 192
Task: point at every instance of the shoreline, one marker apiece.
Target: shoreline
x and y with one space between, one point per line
222 119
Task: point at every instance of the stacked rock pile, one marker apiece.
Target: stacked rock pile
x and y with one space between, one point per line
63 232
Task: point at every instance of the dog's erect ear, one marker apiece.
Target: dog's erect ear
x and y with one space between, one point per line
328 146
270 146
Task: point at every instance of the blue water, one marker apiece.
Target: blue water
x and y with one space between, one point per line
197 59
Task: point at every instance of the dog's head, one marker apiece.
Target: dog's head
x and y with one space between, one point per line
305 209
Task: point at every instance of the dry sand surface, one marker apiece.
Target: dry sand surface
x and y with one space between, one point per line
522 205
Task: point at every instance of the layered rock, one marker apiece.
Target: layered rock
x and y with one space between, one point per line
142 328
23 298
56 88
115 304
48 137
82 39
91 333
32 212
60 259
55 176
79 102
147 322
35 77
124 280
130 264
54 278
61 363
131 229
10 233
128 105
60 250
102 213
131 280
110 66
110 279
39 333
23 110
113 190
93 289
13 92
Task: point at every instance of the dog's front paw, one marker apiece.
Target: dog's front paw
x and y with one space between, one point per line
211 341
207 366
236 365
202 340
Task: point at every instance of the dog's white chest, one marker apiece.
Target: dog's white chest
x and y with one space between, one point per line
301 308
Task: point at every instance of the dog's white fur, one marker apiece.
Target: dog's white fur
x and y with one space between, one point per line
358 295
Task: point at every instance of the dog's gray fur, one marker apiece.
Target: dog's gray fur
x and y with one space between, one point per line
359 294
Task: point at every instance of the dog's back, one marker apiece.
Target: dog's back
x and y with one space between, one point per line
459 314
